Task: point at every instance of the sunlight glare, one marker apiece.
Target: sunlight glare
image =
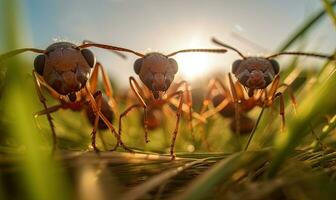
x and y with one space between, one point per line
193 65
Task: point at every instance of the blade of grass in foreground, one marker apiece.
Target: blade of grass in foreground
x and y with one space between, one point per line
37 175
221 172
318 102
156 181
304 28
328 7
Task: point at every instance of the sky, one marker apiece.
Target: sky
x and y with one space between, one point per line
167 26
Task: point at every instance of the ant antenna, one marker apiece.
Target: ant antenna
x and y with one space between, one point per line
198 50
330 57
104 46
123 56
214 40
18 51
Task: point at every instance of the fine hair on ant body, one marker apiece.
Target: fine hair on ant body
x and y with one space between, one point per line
70 74
157 72
259 78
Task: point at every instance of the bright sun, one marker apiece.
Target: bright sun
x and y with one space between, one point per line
193 65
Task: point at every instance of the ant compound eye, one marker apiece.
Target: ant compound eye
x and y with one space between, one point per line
168 80
275 66
235 66
39 64
89 57
243 76
137 65
173 64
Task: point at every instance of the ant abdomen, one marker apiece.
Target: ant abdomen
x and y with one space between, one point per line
246 124
105 109
228 110
154 119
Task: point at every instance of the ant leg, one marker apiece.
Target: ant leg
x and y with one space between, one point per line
213 84
273 95
136 89
188 99
236 102
43 101
139 95
98 98
107 85
178 116
94 107
293 100
291 94
282 110
45 111
108 89
122 115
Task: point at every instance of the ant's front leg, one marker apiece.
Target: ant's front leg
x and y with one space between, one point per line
188 102
136 90
98 112
43 101
237 96
178 116
98 98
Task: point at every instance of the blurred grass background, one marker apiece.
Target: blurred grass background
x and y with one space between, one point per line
289 165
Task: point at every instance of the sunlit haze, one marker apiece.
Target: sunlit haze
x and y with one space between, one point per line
168 26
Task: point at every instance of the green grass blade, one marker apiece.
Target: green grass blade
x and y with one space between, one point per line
328 7
156 181
304 28
222 171
317 102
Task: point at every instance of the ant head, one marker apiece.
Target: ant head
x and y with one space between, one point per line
156 71
255 72
65 67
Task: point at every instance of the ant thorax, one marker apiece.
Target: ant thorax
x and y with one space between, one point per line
254 72
156 71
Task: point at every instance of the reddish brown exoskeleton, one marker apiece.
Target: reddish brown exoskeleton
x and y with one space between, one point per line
157 72
259 78
70 74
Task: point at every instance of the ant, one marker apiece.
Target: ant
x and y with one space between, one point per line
157 72
70 74
259 77
155 110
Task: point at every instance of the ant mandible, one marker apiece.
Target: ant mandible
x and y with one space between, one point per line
254 75
70 74
157 72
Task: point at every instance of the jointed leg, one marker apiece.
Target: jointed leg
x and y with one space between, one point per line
178 116
139 95
213 84
282 110
293 100
98 99
188 99
236 102
95 109
43 101
291 94
107 86
137 90
124 115
273 94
